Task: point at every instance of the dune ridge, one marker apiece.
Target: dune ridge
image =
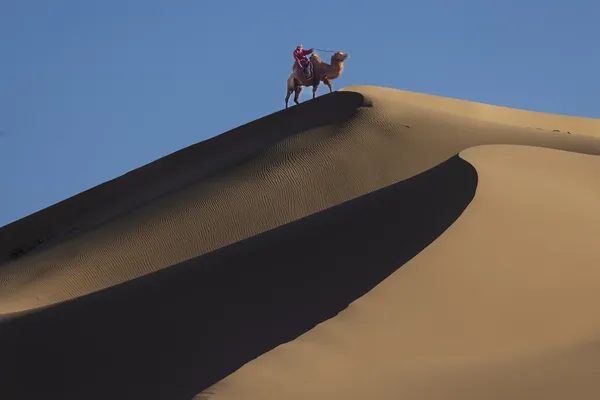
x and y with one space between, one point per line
275 250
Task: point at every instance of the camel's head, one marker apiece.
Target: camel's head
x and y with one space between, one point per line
339 56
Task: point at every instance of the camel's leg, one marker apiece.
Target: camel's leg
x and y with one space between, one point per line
328 83
287 97
315 87
297 89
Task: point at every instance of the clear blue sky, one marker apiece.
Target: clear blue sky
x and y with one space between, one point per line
92 89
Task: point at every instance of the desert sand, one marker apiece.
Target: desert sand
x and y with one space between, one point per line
371 243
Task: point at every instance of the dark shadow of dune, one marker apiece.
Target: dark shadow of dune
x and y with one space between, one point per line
174 333
100 204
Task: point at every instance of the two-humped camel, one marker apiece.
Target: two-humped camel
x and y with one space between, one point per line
322 72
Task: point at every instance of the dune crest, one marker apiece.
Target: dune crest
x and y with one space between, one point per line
368 243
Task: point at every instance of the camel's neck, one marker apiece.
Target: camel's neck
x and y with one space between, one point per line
335 69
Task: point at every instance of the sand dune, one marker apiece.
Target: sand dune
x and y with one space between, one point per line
372 243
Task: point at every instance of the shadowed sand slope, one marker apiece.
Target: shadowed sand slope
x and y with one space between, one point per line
283 240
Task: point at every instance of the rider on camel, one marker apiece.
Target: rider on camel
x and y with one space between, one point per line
302 60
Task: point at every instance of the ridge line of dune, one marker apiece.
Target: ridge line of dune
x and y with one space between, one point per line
473 109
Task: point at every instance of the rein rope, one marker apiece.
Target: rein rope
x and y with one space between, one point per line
326 51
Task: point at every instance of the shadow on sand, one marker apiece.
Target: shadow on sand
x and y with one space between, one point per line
174 333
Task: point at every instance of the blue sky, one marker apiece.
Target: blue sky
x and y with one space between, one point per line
92 89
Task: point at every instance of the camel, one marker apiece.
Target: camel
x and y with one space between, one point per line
322 72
